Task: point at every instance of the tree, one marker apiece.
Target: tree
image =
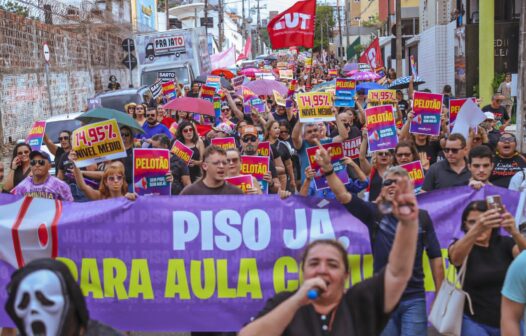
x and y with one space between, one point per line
324 23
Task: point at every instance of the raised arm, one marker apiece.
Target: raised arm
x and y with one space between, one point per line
239 114
365 166
86 189
338 188
297 140
343 134
50 145
402 256
404 131
461 248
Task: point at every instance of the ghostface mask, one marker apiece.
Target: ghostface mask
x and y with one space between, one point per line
44 300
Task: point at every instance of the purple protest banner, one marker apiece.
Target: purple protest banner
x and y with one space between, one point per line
204 263
427 108
381 128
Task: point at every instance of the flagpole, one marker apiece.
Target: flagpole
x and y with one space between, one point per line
309 78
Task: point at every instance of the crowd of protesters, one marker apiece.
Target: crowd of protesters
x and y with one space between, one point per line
488 156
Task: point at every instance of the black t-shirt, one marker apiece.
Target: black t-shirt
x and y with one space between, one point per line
128 165
58 156
361 312
500 112
375 186
504 170
432 148
485 273
178 169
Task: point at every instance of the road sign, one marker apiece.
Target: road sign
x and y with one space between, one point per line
128 43
126 61
46 52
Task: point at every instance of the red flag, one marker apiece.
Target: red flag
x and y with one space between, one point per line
294 27
246 52
373 56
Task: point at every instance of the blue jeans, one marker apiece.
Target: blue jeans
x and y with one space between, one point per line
473 328
409 319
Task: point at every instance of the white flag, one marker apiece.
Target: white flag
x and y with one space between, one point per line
469 116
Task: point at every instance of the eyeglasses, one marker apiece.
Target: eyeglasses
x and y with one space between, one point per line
383 153
233 161
188 130
40 162
388 182
115 178
404 154
507 139
219 163
65 138
22 153
249 138
126 135
150 115
239 103
452 150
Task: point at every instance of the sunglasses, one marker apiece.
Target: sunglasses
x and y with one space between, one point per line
232 161
383 153
150 115
22 153
452 150
115 178
126 135
63 138
506 139
403 154
250 138
40 162
188 130
388 182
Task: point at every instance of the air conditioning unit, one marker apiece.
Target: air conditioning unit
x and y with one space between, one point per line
72 12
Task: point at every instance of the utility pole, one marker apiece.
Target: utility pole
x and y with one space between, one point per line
347 25
243 30
339 29
206 19
221 25
258 46
166 9
399 37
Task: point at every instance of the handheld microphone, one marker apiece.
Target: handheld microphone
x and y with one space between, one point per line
313 293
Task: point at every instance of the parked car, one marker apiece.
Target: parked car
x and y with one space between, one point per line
118 98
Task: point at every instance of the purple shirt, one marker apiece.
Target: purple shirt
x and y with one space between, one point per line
53 188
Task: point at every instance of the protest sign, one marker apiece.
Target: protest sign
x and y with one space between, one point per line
169 90
217 110
93 103
381 128
333 72
237 81
36 135
150 166
225 143
156 89
315 107
256 166
454 108
243 182
282 65
335 151
416 174
351 147
181 151
264 148
278 98
213 81
166 76
345 92
286 74
207 93
413 66
98 142
382 97
251 100
427 108
264 75
170 264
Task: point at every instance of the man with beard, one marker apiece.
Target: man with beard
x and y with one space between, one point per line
507 161
44 299
480 164
152 126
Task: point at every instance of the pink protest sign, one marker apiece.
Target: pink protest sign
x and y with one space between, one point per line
225 143
427 108
181 151
381 128
264 148
243 182
351 147
416 173
149 171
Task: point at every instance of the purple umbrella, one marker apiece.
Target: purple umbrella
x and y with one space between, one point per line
365 76
264 87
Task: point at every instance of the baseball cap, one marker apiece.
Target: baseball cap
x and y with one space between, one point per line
223 127
249 129
39 153
489 115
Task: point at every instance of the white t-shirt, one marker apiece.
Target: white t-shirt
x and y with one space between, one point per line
518 181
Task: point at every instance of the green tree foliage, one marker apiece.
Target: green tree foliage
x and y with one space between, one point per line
13 7
325 18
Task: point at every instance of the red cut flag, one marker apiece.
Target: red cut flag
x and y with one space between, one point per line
373 55
294 27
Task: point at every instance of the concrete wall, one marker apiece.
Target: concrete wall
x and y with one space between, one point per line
82 60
